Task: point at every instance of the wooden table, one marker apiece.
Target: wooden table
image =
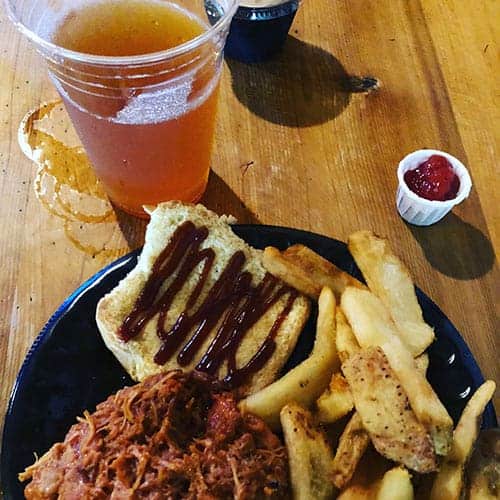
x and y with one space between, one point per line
294 148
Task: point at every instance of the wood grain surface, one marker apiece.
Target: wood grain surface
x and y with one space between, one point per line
294 148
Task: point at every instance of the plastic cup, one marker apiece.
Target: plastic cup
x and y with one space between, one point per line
420 211
146 121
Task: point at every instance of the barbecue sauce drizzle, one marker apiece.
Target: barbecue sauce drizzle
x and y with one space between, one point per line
233 303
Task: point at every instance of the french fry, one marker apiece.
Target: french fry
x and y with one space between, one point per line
422 363
358 492
304 383
368 317
367 477
321 270
346 340
309 455
373 327
336 401
449 480
423 400
465 434
292 274
352 445
396 485
389 279
483 468
307 271
384 410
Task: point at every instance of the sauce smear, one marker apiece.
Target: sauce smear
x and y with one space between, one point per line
232 305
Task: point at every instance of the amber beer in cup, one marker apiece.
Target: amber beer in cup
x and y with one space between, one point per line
139 79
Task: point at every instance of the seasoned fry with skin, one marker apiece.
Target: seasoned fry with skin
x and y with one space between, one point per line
307 271
373 327
396 485
385 411
309 455
352 444
346 340
423 400
449 480
336 401
388 278
307 381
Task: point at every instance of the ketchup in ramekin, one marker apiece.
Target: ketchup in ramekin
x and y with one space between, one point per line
434 179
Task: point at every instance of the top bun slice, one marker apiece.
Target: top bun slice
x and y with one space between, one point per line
137 354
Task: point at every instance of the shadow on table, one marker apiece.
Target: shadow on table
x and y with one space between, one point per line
303 85
133 229
220 198
455 248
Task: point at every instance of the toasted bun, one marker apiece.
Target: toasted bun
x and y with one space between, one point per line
137 354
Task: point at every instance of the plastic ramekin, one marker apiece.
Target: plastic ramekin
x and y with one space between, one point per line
420 211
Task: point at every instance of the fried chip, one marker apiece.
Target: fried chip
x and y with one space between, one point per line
396 485
309 455
385 412
304 383
336 401
373 327
308 272
346 340
352 445
388 278
448 483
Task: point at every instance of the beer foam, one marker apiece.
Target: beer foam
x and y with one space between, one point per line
166 104
158 106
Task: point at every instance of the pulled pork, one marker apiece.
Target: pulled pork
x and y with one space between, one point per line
168 437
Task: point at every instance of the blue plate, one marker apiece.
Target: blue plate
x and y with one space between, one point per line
68 369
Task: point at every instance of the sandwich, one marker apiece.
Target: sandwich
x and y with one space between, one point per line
200 299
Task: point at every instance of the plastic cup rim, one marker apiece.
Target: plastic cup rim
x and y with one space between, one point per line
458 167
152 57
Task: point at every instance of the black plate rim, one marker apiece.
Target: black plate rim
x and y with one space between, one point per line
59 314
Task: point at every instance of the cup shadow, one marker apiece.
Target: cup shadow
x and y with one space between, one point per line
220 198
133 229
455 248
303 85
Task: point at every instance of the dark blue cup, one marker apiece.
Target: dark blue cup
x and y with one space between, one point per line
257 33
